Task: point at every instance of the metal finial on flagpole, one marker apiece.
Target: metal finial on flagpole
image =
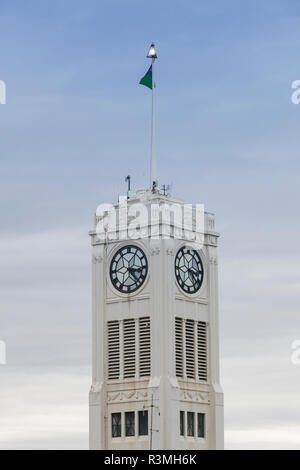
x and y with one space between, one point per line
152 55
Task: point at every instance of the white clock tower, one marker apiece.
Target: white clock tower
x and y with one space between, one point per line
156 381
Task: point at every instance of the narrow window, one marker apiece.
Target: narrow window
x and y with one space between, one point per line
201 425
129 424
190 424
182 423
116 425
143 423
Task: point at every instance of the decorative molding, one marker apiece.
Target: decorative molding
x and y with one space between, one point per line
155 251
95 395
97 259
124 298
96 387
195 300
194 395
211 223
213 240
170 251
213 260
127 396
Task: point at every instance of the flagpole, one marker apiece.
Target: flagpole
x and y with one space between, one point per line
153 175
153 183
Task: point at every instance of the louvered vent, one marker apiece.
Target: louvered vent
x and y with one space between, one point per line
113 350
129 348
194 346
144 347
179 346
202 351
190 349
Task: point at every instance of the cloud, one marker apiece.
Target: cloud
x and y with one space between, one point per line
271 438
45 321
44 410
45 300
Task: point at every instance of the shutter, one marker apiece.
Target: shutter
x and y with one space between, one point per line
179 347
144 347
129 348
113 328
202 351
190 349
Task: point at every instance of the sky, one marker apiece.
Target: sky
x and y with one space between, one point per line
76 123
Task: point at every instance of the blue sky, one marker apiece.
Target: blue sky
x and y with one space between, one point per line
76 123
76 117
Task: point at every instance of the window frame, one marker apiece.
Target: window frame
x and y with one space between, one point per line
182 423
190 426
117 426
203 425
130 424
145 425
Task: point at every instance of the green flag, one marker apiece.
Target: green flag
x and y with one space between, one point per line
147 79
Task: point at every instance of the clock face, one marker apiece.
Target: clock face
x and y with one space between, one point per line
189 270
128 269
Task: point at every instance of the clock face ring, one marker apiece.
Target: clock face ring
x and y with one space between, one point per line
128 269
189 270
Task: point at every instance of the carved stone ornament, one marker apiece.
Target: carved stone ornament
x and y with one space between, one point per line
194 395
96 259
128 395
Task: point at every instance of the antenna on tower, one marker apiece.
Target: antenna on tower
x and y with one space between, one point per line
166 189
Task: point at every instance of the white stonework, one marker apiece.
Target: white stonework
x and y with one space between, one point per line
161 299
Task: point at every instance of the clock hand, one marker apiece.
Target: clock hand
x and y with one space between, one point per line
194 274
194 270
134 271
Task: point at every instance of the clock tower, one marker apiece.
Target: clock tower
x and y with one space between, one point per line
155 375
